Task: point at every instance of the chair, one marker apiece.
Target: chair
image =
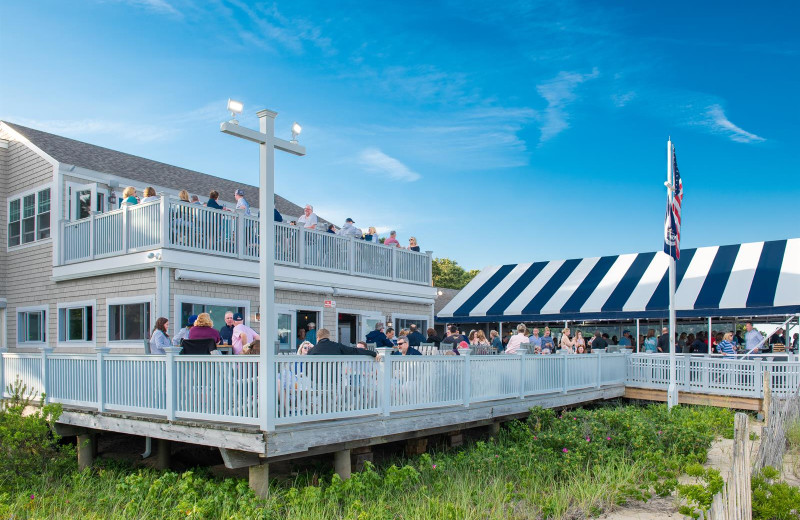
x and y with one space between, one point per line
194 347
228 351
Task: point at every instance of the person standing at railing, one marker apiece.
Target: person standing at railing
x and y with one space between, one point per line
496 342
326 347
517 339
129 196
349 229
241 203
308 219
726 345
149 195
662 345
752 338
392 240
650 342
212 201
159 338
412 244
598 341
242 334
372 236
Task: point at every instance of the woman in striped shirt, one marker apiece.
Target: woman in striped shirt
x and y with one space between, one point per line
726 346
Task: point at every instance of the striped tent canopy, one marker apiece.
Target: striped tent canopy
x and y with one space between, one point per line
753 279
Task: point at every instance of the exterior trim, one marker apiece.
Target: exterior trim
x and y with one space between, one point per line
73 305
127 300
33 308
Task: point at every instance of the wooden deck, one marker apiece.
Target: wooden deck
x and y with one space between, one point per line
720 401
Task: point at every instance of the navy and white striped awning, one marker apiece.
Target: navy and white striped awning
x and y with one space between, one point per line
753 279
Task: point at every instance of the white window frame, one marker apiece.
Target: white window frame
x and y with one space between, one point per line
21 197
363 316
293 308
131 300
76 305
396 316
46 324
180 299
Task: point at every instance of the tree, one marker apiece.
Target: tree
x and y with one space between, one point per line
447 273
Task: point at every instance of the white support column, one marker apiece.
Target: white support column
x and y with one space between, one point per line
91 236
101 378
240 238
522 359
3 350
709 335
386 379
164 221
125 230
45 373
172 386
638 346
467 395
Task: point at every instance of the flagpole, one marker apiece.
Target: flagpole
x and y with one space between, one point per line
672 392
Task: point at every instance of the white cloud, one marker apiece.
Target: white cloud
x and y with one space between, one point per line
560 92
375 161
720 123
82 127
620 100
156 6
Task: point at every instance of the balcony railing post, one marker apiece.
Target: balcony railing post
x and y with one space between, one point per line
101 378
240 238
171 380
62 243
394 263
91 236
3 351
758 380
465 352
704 374
301 246
522 359
564 357
386 379
351 254
599 370
430 266
164 221
45 374
124 229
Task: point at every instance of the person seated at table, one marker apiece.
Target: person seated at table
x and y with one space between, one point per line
378 337
625 340
212 200
304 347
404 349
204 328
129 196
326 347
159 338
412 244
372 236
308 219
392 240
184 332
433 337
390 336
242 334
517 339
415 337
149 195
725 346
361 344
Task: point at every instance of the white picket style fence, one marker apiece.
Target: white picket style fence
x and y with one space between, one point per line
179 225
713 374
307 388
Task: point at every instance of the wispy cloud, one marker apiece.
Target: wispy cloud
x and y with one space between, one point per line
156 6
375 161
560 92
720 123
622 99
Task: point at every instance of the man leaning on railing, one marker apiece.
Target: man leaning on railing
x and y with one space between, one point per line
326 347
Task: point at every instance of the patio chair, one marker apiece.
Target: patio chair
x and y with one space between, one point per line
194 347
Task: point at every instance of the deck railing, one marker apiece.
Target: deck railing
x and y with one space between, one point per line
307 388
190 227
713 374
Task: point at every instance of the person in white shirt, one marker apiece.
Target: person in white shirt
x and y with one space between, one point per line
184 332
349 229
241 202
149 195
517 339
242 334
308 219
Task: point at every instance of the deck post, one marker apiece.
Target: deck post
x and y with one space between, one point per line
341 464
386 379
3 350
704 373
45 374
240 238
101 377
351 255
163 454
599 370
301 246
258 478
124 229
164 221
758 380
172 384
86 450
564 373
465 352
522 375
91 236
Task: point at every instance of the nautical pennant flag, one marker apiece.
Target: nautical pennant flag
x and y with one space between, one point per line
672 220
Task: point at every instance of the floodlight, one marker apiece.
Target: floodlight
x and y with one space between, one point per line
296 129
235 107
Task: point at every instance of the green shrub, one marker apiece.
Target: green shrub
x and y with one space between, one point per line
773 500
28 443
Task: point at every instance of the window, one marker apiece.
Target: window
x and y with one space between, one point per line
32 325
29 218
76 323
404 323
217 312
128 322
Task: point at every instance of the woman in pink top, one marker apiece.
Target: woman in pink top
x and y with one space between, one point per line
392 240
204 328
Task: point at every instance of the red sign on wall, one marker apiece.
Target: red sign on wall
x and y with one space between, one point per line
330 303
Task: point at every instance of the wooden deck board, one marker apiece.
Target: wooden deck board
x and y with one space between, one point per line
721 401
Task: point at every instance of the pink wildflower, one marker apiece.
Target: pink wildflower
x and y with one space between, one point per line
574 418
535 438
497 456
608 438
659 432
588 439
434 466
565 450
33 496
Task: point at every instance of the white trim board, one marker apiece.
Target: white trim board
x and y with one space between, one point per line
128 300
76 305
33 308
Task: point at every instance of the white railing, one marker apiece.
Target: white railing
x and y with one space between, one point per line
713 374
192 227
306 388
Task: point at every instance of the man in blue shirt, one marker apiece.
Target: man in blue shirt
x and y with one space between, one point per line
226 332
404 349
415 337
535 340
752 338
241 202
625 340
378 337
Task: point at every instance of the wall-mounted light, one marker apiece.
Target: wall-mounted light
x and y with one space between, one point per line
235 107
152 255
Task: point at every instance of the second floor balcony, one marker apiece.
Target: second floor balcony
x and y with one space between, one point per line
171 224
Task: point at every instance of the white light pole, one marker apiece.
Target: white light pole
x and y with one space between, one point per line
267 141
672 389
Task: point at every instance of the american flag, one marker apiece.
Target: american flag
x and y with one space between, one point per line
672 221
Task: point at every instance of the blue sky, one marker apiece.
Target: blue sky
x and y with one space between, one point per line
493 132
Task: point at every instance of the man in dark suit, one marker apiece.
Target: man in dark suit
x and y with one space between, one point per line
326 347
663 341
415 337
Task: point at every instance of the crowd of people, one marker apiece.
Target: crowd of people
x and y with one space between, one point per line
308 220
234 333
